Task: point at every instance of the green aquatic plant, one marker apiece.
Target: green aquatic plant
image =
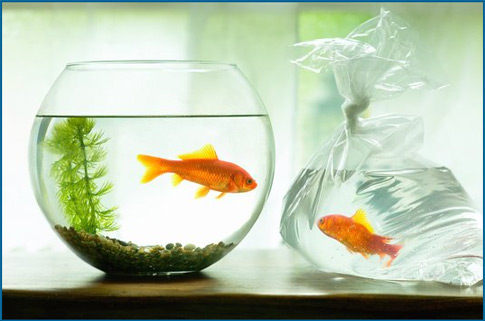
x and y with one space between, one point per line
77 173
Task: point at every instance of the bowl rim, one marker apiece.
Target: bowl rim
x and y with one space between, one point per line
142 62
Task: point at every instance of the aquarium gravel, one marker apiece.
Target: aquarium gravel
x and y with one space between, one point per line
117 257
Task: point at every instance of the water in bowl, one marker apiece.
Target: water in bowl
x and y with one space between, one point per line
159 227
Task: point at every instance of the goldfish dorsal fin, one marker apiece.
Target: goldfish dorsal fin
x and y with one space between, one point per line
361 218
206 152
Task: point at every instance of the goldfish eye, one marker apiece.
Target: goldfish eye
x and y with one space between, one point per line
249 181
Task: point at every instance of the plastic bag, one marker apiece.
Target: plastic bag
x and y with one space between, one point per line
366 204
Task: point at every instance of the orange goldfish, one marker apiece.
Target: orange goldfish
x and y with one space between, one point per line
357 234
202 167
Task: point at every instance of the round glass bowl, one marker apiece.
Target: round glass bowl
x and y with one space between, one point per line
151 167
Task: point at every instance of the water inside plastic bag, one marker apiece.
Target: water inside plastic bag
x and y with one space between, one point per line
423 209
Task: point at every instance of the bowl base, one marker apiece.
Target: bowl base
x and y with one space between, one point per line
116 257
163 274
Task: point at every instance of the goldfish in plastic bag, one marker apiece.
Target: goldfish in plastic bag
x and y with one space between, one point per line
202 167
357 234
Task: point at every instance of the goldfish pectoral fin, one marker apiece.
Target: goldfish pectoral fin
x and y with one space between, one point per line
361 218
231 187
220 195
176 180
381 255
365 255
206 152
202 192
350 251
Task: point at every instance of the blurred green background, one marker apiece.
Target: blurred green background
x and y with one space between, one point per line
40 38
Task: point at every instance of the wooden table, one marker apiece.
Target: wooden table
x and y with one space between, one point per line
245 284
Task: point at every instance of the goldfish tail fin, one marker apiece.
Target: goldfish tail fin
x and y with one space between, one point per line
155 166
382 247
392 250
384 239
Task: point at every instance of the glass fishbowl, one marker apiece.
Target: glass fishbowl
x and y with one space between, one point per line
151 167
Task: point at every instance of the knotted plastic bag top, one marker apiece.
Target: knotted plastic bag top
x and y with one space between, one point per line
379 59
